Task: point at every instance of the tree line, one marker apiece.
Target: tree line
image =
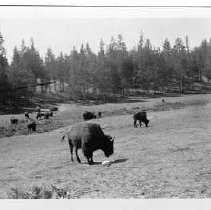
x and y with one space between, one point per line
112 71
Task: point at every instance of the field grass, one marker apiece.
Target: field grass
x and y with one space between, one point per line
71 113
169 159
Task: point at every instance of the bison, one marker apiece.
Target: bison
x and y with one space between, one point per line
54 109
141 117
40 115
32 126
99 114
89 137
89 116
26 114
14 121
38 108
46 115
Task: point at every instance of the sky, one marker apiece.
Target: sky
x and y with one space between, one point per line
63 28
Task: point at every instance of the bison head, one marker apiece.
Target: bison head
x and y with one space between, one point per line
109 146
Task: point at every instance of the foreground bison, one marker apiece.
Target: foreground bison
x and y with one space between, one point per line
141 117
89 116
89 137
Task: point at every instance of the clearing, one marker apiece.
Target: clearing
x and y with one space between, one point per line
171 158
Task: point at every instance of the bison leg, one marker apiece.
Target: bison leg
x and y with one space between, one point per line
140 123
134 124
146 123
34 128
71 150
90 160
76 153
88 155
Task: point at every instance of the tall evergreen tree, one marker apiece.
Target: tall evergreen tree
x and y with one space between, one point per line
4 84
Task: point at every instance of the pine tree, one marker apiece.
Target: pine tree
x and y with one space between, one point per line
4 84
26 67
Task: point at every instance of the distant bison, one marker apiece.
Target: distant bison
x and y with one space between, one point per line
99 114
26 115
14 121
45 115
89 116
89 137
32 126
38 108
54 109
50 114
40 115
141 117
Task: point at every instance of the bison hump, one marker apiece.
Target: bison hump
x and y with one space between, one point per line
86 129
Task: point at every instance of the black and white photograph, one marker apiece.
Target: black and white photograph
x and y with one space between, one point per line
105 101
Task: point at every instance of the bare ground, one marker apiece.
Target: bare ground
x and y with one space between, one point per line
171 158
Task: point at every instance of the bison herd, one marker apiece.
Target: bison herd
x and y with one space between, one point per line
86 136
31 123
45 115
